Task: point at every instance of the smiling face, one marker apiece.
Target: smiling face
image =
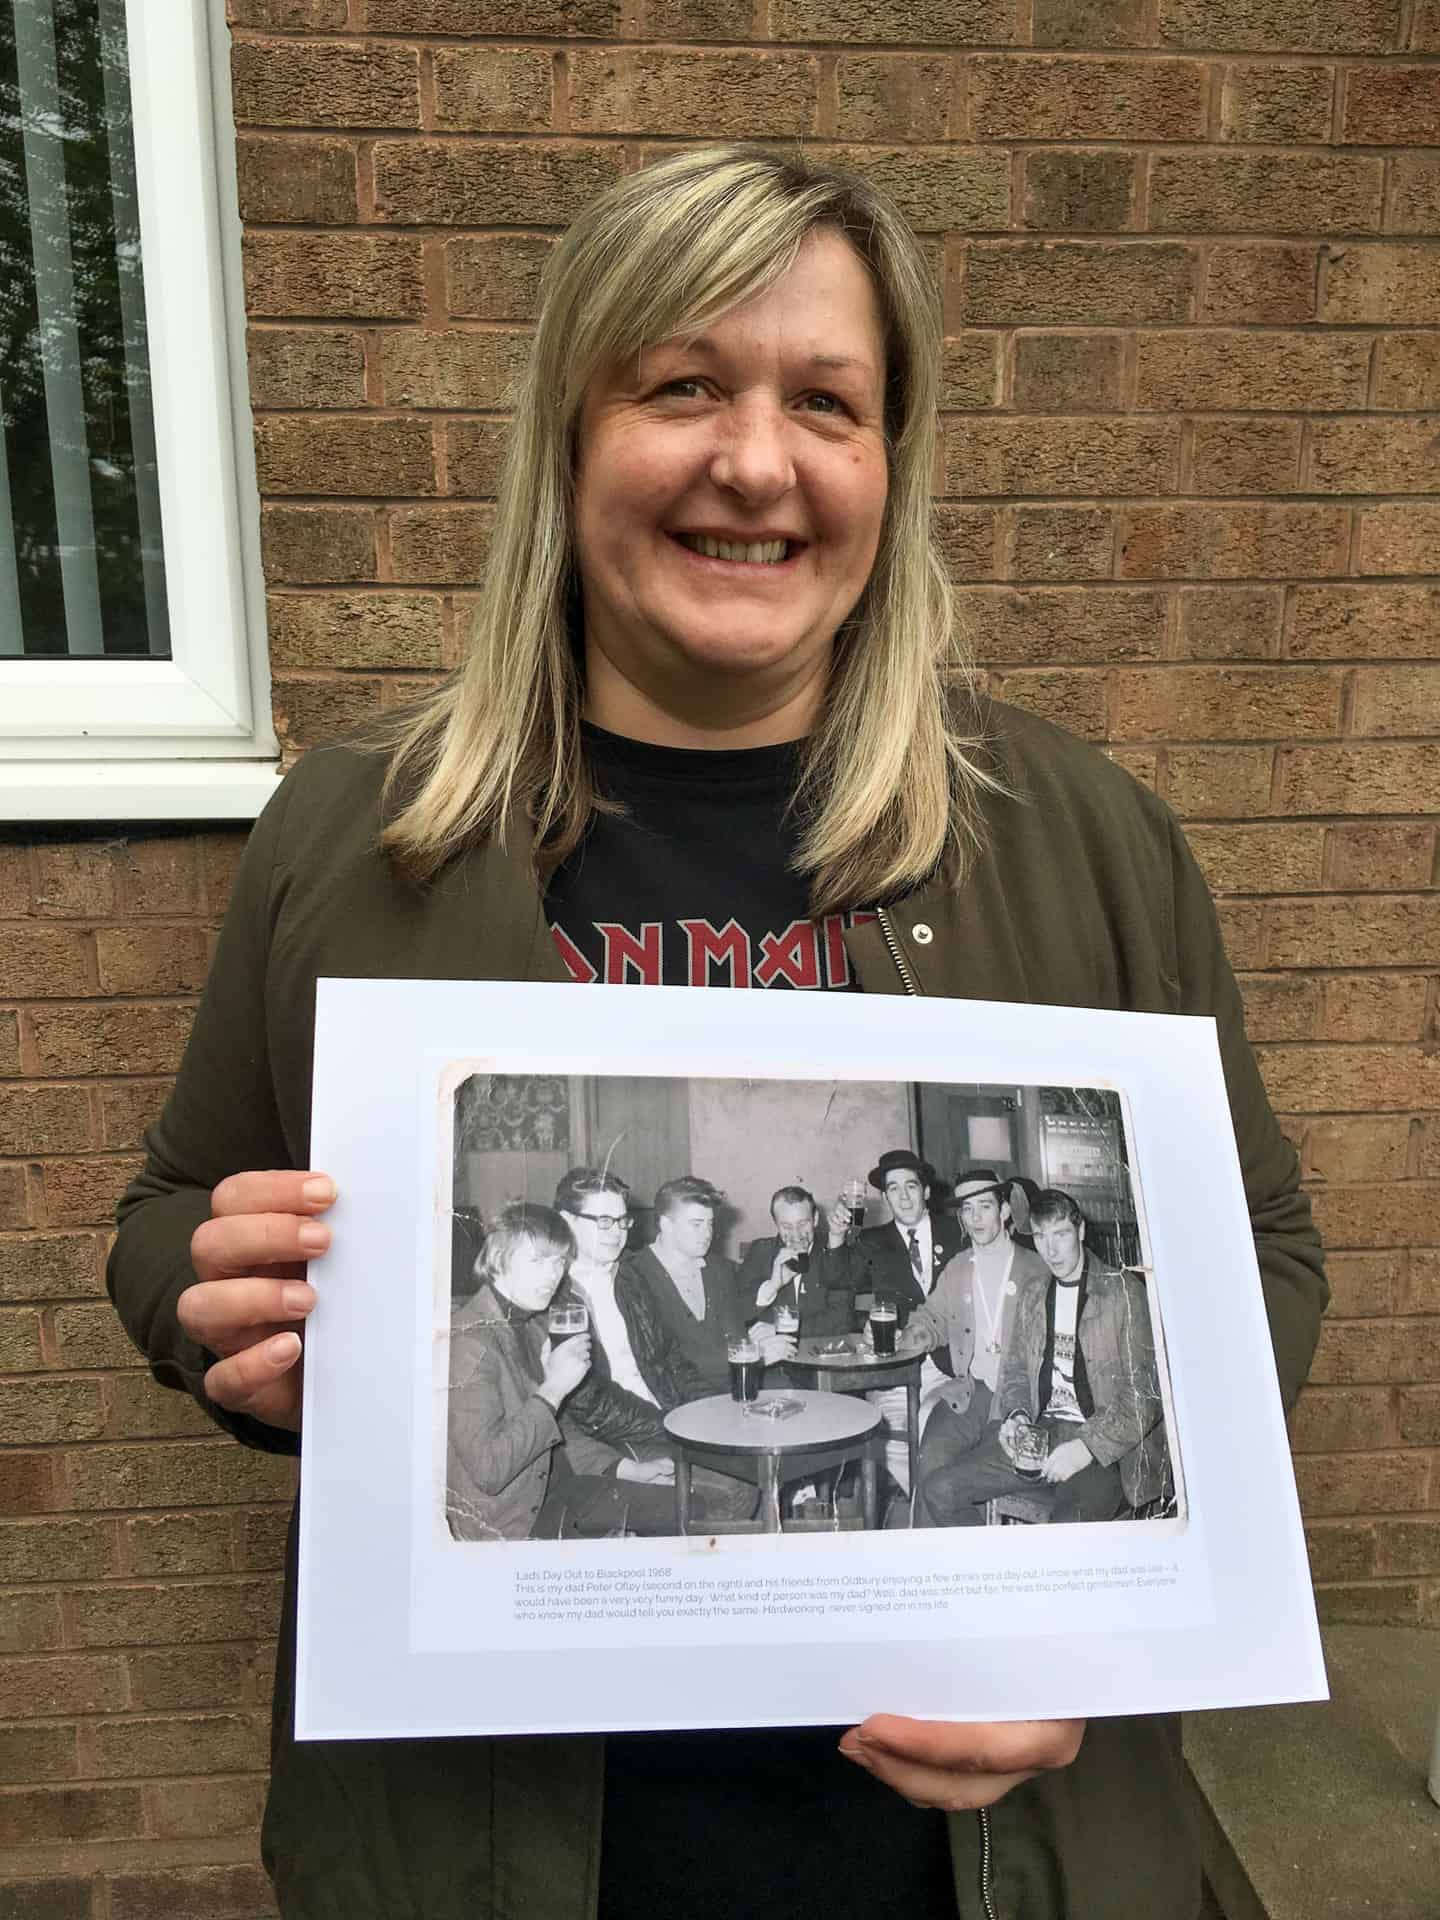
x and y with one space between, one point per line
795 1224
729 500
906 1195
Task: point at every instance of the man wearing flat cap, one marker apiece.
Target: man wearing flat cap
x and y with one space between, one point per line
968 1319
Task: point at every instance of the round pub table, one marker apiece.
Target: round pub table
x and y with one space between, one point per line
845 1364
827 1424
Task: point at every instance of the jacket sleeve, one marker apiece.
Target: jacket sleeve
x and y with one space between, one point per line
220 1119
753 1272
670 1375
621 1419
1287 1243
494 1445
1133 1403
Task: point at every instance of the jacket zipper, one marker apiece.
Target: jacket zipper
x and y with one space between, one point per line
912 986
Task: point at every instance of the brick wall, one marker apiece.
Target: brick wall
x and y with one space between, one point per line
1192 286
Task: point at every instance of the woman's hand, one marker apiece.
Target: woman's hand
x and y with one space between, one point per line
251 1299
957 1766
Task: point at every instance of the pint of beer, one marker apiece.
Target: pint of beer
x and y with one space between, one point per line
884 1318
745 1370
565 1322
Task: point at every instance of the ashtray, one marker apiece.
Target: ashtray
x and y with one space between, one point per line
832 1347
775 1406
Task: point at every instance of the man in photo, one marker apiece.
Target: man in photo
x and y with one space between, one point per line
967 1320
1080 1429
902 1260
517 1398
799 1267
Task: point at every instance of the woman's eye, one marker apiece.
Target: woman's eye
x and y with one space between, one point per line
825 403
685 388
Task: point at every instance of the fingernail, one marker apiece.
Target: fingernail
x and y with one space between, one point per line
284 1349
297 1298
313 1237
318 1192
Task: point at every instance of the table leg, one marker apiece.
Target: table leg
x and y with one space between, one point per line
770 1493
682 1492
870 1489
912 1410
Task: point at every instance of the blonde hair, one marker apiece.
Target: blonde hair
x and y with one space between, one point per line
889 780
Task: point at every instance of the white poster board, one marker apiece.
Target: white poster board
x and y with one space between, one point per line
429 1094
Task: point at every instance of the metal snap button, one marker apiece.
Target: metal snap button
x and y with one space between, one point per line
921 934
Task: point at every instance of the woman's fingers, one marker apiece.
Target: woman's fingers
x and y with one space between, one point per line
225 1315
955 1765
262 1380
280 1191
247 1242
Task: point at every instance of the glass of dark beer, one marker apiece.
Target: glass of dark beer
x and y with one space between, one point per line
853 1194
787 1321
746 1368
565 1322
884 1319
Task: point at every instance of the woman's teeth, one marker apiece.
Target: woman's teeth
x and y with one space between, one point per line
762 553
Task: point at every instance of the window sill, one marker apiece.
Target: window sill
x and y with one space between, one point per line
121 790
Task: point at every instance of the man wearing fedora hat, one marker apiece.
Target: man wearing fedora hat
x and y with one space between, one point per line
967 1319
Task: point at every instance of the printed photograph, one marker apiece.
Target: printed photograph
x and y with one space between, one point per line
791 1306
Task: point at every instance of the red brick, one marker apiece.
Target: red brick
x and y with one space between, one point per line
152 959
1375 456
289 16
92 1336
1245 456
1414 193
1341 1550
263 1537
157 874
697 19
1408 1546
1230 623
1416 1355
1304 193
1068 372
220 853
948 23
1346 622
1358 779
1397 700
1247 539
1425 27
1088 23
193 1893
1392 106
1407 369
350 456
285 84
367 630
1259 859
1378 1216
882 97
1342 1420
45 962
1356 931
970 371
1267 105
1021 456
937 189
1050 97
1219 782
1075 701
138 1409
1282 26
9 1045
34 1754
318 545
178 1613
474 371
1366 1148
205 1807
29 1622
965 540
315 712
493 89
1224 703
77 1683
1363 1284
1060 543
1336 1079
27 1483
1042 625
208 1473
49 1266
44 1119
496 276
184 1745
179 1543
180 1677
1337 1484
1389 1604
557 18
1279 1008
75 879
1380 859
1079 190
1273 284
55 1549
34 1815
1394 285
440 545
483 184
721 94
1076 283
1400 538
1420 1416
330 276
1374 1007
1216 370
474 456
20 1340
291 178
39 1412
84 1193
306 367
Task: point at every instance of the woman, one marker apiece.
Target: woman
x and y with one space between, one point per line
712 711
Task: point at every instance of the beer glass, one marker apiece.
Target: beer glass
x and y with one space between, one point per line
884 1318
565 1322
1031 1446
745 1370
787 1320
853 1194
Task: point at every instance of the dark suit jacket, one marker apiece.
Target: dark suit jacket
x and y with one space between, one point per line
679 1356
880 1262
825 1299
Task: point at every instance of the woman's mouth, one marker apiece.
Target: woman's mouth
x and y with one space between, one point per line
753 553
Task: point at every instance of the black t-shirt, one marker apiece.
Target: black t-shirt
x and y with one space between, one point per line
691 886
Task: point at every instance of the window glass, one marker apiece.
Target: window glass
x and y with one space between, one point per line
81 555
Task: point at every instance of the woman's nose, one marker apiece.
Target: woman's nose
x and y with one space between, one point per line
753 457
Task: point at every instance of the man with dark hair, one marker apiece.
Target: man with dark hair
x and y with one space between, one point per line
1081 1429
797 1267
902 1260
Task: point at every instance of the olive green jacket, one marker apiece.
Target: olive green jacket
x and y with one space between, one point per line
1084 895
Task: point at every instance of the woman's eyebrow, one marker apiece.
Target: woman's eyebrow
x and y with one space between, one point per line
702 343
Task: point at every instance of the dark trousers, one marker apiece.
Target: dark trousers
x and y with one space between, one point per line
947 1438
597 1506
956 1494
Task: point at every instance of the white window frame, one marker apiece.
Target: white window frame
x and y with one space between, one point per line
189 737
